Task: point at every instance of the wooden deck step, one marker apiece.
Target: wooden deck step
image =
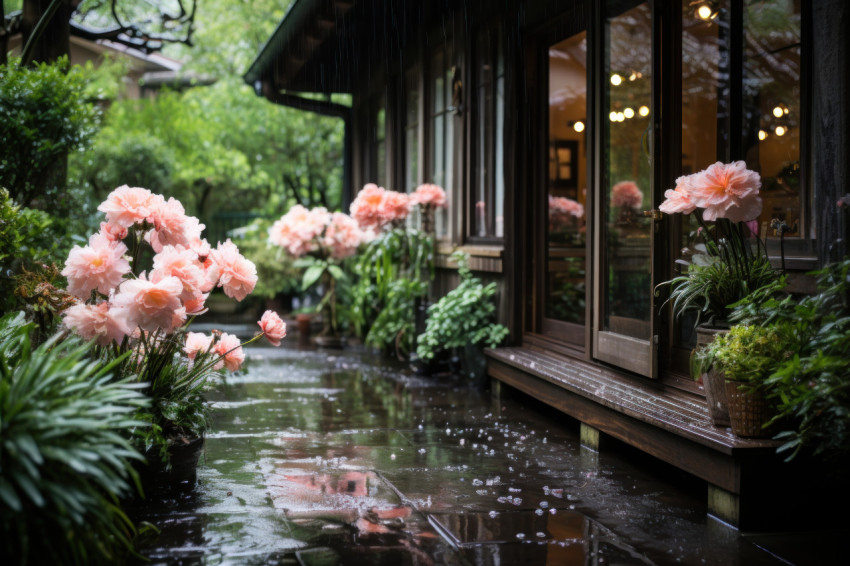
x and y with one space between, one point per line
667 423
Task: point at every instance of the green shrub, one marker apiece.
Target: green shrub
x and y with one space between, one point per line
64 451
46 115
465 316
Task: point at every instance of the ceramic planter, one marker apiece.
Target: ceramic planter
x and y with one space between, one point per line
712 381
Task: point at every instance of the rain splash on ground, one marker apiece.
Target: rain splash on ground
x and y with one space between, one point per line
323 457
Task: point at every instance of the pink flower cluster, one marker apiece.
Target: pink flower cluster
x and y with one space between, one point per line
116 303
564 211
375 207
429 194
301 231
626 194
723 190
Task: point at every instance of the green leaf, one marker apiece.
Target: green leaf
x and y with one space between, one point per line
311 275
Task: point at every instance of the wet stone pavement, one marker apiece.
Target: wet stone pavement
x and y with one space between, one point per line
325 457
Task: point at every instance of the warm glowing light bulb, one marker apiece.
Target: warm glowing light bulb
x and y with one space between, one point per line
778 112
616 79
579 126
643 110
620 117
613 116
629 113
704 12
762 135
780 131
633 77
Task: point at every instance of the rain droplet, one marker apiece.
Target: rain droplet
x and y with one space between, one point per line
421 450
477 482
392 456
544 504
462 441
493 514
538 512
541 534
520 536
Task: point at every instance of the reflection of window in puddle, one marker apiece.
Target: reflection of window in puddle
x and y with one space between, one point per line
349 483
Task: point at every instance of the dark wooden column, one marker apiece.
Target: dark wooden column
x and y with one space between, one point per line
830 108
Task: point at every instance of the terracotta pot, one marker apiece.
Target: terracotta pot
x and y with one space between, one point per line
712 381
748 410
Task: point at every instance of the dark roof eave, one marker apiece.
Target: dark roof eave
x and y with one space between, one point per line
282 36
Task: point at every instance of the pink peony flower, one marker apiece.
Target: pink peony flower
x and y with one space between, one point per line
395 206
342 236
564 205
100 266
678 200
297 230
184 265
429 194
172 226
152 305
126 206
197 343
626 194
366 206
230 350
113 232
196 305
97 321
237 276
274 329
726 190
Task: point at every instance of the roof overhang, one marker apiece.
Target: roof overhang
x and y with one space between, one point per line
311 51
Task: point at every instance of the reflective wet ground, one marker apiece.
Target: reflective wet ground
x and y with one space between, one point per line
323 457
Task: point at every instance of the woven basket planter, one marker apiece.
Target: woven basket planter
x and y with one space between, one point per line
712 381
748 411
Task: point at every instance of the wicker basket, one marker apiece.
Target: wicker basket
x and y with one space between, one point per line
748 411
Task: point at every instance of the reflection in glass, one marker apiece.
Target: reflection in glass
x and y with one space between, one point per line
772 106
626 183
565 242
442 134
488 215
411 131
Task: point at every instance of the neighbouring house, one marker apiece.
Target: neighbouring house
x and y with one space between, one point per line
147 72
556 127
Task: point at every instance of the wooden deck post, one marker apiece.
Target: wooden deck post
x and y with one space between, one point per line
724 505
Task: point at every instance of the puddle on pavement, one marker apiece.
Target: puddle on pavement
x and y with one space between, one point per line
319 457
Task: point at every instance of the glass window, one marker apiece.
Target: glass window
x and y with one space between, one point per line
566 202
380 141
487 214
443 77
626 188
411 130
772 111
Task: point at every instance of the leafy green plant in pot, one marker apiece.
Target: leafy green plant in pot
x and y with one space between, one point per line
810 388
143 317
65 450
463 319
745 358
727 258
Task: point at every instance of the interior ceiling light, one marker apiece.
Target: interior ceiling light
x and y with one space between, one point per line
705 10
762 135
780 130
629 113
778 111
643 110
616 79
579 126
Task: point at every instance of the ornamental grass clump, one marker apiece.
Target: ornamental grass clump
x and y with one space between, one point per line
65 450
728 260
748 353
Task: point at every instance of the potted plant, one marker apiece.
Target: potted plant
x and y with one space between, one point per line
395 267
463 319
725 261
320 240
142 317
745 358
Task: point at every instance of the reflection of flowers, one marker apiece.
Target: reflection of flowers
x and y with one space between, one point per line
428 197
626 194
564 212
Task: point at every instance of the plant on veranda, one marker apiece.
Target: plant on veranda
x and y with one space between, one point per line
320 240
728 260
65 450
148 312
395 268
464 316
810 388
